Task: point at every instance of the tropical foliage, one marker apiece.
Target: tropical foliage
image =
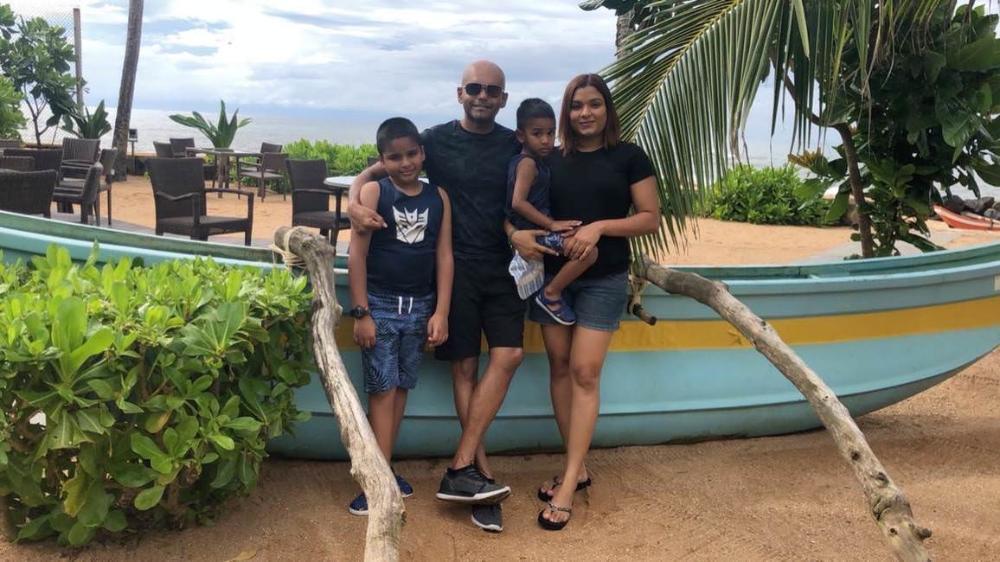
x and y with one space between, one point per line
220 134
141 397
36 57
11 118
86 125
763 196
341 159
689 74
911 141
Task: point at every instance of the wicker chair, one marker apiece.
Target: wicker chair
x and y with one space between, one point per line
67 195
108 157
272 168
311 199
179 147
179 197
17 163
253 164
163 149
45 159
78 155
29 193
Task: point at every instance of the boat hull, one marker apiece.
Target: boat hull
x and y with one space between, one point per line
878 331
966 222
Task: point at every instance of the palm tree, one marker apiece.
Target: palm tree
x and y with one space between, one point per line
123 113
690 70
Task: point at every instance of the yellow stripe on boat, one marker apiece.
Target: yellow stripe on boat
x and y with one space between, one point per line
719 334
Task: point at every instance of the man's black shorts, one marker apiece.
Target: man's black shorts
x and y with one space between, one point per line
483 300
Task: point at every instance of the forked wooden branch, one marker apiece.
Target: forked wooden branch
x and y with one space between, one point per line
368 466
886 502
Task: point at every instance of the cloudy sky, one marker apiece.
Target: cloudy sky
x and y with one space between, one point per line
353 56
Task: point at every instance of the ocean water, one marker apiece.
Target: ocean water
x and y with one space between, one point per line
156 125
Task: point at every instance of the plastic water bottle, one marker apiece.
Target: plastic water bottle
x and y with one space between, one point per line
529 275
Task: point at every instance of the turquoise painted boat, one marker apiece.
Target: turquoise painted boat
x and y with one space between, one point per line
878 331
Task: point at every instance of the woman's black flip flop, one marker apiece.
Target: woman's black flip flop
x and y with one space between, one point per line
553 525
555 479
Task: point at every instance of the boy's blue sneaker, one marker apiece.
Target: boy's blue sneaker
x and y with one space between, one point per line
359 506
563 315
404 487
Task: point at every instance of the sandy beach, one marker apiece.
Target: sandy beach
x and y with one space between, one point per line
777 498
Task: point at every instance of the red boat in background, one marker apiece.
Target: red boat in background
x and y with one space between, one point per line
966 221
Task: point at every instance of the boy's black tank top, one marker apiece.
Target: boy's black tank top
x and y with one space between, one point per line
402 257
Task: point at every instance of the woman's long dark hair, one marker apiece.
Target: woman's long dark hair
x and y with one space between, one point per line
612 128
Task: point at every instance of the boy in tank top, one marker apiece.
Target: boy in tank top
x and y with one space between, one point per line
401 279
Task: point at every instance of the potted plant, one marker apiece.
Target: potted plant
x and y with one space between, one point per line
83 124
221 135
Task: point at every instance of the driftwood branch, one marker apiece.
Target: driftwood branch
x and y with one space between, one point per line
368 467
886 501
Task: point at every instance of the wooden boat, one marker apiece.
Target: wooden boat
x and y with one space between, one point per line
966 221
878 331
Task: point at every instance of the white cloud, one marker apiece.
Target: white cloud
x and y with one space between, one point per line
369 55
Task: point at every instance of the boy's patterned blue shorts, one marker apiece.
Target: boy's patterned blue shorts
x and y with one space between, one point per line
400 335
553 240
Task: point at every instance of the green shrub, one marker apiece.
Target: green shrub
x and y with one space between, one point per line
763 196
11 118
341 159
141 397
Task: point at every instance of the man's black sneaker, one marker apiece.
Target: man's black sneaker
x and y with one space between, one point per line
488 517
468 485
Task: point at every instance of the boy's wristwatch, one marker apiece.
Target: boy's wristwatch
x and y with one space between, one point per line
358 312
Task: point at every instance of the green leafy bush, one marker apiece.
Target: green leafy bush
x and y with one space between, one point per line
763 196
83 124
341 159
141 397
11 118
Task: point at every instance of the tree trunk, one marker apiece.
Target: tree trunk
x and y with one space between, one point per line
371 470
623 30
886 502
857 190
123 111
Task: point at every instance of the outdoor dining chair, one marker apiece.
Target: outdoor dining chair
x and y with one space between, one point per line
272 166
108 157
253 164
18 163
181 207
163 149
78 155
67 195
45 159
179 146
10 143
28 193
311 199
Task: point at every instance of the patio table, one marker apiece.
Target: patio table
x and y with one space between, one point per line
232 156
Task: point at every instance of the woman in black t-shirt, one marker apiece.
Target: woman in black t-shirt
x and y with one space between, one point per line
597 179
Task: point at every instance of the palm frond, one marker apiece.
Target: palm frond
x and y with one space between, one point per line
684 90
688 77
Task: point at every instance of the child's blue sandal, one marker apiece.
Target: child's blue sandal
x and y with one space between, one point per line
563 315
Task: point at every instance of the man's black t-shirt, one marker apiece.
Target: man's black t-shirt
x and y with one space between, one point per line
472 169
593 186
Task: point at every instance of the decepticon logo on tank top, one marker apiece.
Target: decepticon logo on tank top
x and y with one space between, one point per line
410 225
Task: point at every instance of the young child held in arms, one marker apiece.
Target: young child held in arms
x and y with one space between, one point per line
401 279
528 202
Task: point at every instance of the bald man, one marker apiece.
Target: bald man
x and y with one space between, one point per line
468 157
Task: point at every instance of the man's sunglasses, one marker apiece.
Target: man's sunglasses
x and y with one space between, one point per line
474 89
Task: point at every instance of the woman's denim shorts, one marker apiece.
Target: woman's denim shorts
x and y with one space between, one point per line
598 302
